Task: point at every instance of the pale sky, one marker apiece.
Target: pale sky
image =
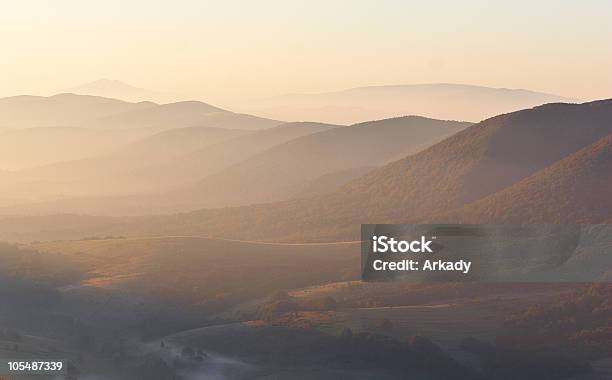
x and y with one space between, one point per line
219 51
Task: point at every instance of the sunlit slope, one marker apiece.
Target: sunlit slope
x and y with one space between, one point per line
201 269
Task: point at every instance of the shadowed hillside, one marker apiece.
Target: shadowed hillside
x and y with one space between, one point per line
484 159
575 190
327 183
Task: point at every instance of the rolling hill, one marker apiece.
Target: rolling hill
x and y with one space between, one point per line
438 100
485 158
278 173
199 164
95 175
472 164
182 114
158 163
31 147
71 110
283 171
37 130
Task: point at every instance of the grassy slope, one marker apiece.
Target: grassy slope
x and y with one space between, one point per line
201 269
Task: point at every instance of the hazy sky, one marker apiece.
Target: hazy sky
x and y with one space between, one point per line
221 50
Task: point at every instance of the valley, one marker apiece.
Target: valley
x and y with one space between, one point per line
255 243
306 190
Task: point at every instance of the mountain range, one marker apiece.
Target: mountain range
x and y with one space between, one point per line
445 101
302 160
297 153
62 110
70 110
152 163
70 177
37 130
549 164
480 161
